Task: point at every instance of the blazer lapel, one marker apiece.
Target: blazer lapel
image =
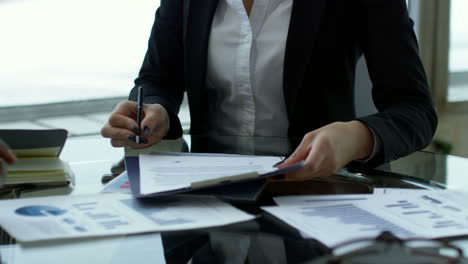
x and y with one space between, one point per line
305 22
199 18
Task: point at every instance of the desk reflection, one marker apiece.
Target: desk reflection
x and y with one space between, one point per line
266 239
267 146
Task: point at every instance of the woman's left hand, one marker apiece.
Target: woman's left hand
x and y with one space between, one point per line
330 148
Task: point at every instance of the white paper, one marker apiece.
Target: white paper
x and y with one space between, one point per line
119 184
111 214
333 222
172 171
430 214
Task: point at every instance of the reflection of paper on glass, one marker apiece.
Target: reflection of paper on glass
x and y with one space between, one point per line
141 249
413 214
399 191
297 200
160 172
111 214
119 184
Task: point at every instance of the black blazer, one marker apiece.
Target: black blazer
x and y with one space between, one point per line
325 40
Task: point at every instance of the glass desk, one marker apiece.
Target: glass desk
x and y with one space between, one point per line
264 240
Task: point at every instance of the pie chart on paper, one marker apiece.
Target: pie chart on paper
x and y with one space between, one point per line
40 210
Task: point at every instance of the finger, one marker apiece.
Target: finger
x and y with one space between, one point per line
155 120
131 143
115 132
154 138
122 121
311 169
6 153
323 155
119 143
300 153
126 108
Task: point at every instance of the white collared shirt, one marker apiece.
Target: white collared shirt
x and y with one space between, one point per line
245 68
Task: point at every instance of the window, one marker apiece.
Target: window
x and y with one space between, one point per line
458 53
62 51
443 28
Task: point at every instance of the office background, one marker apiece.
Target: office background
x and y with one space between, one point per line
66 63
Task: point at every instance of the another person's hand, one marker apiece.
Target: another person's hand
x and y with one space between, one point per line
122 126
7 155
330 148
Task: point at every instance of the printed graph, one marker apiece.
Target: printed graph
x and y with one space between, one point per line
40 210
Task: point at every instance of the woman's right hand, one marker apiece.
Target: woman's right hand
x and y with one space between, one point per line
122 127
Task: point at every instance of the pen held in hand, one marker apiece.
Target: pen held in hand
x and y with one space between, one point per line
139 111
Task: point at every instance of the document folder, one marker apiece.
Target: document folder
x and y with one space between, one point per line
237 187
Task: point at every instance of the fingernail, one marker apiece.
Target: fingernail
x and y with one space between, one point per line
135 129
146 131
131 138
143 141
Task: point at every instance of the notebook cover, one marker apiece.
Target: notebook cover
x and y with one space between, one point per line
19 139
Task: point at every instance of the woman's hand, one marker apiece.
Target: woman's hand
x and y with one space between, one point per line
7 155
122 127
330 148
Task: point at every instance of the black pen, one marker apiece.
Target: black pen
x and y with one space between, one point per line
139 111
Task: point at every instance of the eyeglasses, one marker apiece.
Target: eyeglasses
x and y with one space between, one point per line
387 248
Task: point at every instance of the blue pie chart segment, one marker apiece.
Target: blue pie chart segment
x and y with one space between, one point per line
40 210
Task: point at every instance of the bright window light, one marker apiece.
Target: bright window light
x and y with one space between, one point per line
71 50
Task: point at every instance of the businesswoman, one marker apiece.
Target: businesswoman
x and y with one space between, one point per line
284 68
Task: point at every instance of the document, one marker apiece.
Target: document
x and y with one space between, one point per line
248 192
61 217
335 219
163 172
328 218
119 184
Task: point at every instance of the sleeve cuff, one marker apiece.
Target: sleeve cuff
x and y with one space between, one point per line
377 147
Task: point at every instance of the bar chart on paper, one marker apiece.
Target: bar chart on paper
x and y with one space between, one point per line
350 215
332 220
333 223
